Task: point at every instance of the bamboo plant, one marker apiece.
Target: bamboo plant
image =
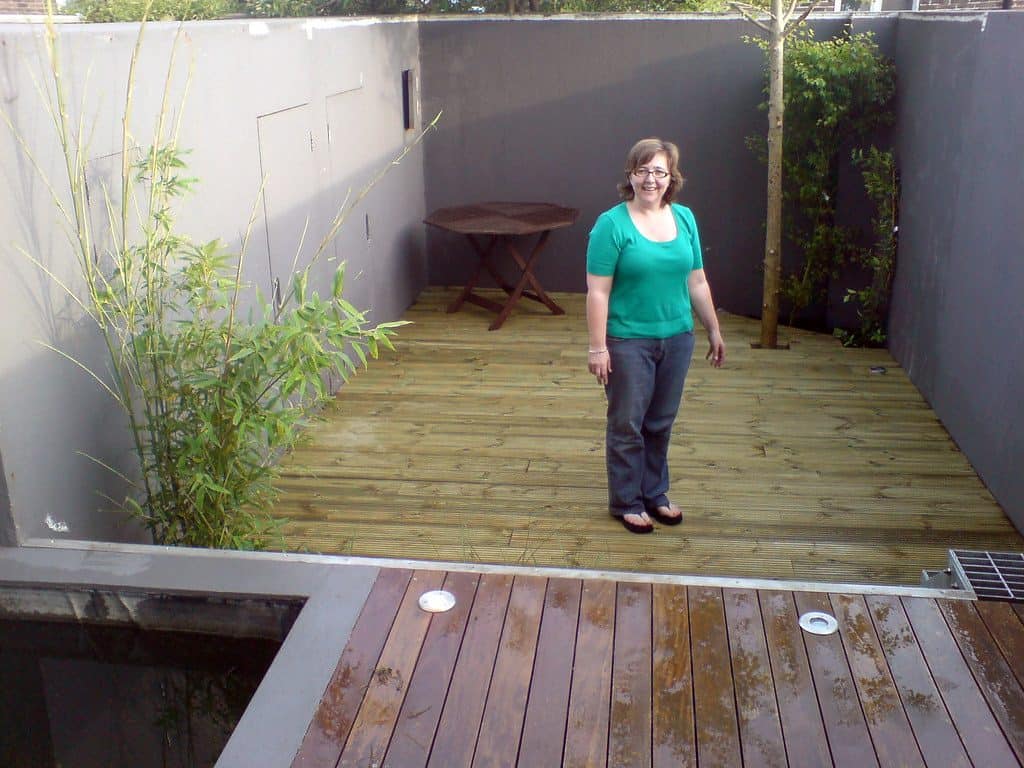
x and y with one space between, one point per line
212 399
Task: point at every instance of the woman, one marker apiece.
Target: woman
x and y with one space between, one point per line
644 273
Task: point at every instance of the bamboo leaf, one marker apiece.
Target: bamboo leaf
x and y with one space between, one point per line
338 286
89 371
241 355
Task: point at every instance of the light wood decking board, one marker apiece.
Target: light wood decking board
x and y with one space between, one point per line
468 444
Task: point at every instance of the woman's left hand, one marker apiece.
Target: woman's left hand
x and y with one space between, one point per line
716 349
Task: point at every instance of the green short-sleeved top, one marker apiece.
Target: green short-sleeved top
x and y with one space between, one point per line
650 298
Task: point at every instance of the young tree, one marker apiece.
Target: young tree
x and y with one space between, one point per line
780 26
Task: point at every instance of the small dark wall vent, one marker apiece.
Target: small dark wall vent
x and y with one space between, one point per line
408 114
992 575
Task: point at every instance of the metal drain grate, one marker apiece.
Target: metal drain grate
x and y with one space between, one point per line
992 575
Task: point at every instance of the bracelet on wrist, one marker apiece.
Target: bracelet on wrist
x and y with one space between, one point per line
598 351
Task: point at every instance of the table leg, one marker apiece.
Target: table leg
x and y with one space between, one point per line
485 259
467 294
526 265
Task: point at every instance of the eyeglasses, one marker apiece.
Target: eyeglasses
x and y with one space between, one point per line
642 173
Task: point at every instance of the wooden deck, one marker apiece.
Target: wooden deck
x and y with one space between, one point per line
542 672
473 446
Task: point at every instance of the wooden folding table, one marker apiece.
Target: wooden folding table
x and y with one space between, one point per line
492 227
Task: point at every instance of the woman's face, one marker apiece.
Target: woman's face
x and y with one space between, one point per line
647 187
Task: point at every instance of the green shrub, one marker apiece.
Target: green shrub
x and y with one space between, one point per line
393 7
635 6
154 10
837 93
301 8
285 8
881 183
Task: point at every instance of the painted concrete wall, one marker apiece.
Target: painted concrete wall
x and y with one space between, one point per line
546 109
957 313
316 107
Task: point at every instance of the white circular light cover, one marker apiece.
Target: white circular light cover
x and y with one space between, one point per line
818 623
437 601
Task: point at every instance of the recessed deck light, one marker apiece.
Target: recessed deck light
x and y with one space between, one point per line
818 623
437 601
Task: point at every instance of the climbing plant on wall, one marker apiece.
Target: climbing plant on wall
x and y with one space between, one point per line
838 93
881 183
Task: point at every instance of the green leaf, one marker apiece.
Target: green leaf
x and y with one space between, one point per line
359 351
301 280
338 286
241 355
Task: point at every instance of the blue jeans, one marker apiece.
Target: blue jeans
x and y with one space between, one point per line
644 391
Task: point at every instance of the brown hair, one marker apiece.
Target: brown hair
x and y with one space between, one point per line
643 152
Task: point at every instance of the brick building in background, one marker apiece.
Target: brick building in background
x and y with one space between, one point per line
915 5
964 5
22 7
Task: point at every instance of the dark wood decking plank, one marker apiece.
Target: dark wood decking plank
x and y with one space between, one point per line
802 725
883 709
936 735
586 734
718 738
502 725
673 736
548 706
848 736
460 719
1000 688
629 736
758 711
375 722
977 726
333 720
421 711
1007 628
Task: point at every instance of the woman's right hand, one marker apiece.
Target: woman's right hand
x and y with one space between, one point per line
600 364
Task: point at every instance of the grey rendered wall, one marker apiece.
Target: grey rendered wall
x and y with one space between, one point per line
957 316
316 107
545 109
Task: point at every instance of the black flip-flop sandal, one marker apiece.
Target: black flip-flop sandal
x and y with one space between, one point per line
665 519
636 527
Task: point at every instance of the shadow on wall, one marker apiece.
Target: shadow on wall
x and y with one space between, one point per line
8 534
56 417
380 243
53 415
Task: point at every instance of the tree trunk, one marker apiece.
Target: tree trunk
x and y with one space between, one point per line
773 229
